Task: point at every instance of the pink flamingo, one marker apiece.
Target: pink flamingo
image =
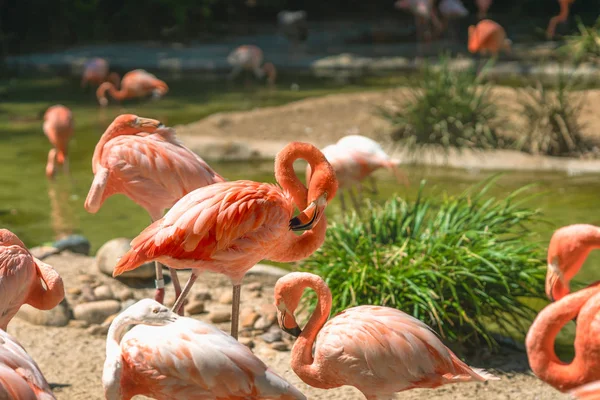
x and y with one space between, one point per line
424 12
58 127
378 350
229 227
562 16
589 391
452 10
354 159
145 162
137 83
483 6
585 367
488 37
567 251
170 357
24 279
20 376
250 57
96 71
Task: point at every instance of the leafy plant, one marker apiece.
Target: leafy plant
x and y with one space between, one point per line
586 45
552 120
448 108
459 266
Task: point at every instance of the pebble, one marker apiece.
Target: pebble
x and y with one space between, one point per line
87 294
74 243
248 317
263 323
42 252
254 286
97 330
97 311
58 316
246 341
86 278
271 336
76 323
110 252
226 298
202 296
124 294
103 292
195 307
217 317
279 346
268 270
74 291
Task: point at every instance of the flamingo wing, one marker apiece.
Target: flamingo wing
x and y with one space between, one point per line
193 359
17 271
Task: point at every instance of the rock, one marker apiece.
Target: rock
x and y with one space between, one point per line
268 270
254 286
103 292
248 317
226 298
271 336
124 294
86 278
111 251
263 323
279 346
97 330
58 316
269 311
217 317
42 252
74 243
246 341
87 295
76 323
195 307
97 311
74 291
202 296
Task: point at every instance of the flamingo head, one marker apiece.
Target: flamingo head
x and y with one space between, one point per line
287 296
7 238
568 250
271 73
149 312
129 124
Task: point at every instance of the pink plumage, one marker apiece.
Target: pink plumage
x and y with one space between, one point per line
58 128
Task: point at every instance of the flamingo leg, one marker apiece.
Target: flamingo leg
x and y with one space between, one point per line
373 185
176 286
160 283
186 290
354 200
235 310
342 201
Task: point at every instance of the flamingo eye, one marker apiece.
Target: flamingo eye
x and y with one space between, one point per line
155 311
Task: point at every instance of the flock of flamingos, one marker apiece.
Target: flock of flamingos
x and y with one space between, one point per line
229 226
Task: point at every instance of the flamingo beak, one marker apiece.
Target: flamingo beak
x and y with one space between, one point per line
147 124
310 216
555 281
294 330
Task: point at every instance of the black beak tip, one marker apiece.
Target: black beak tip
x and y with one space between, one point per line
295 223
295 331
161 125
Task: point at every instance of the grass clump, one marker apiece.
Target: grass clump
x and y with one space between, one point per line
448 108
552 120
584 46
461 265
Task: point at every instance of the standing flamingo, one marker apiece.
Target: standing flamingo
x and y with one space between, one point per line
424 12
136 83
562 16
20 376
452 10
354 158
585 367
24 279
58 127
250 57
229 227
170 357
488 37
483 6
154 171
568 249
95 71
378 350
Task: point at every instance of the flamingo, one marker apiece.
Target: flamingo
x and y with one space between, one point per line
20 376
562 16
58 127
250 57
136 83
354 158
585 367
568 249
154 171
452 10
378 350
170 357
483 6
488 36
95 71
589 391
21 277
424 12
228 227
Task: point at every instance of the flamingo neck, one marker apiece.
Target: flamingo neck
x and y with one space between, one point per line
114 129
113 365
541 337
54 292
110 88
302 361
564 10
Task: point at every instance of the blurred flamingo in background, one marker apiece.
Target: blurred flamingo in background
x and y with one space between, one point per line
452 10
483 6
292 25
24 279
567 251
229 227
562 16
20 376
585 366
378 350
95 71
425 14
136 83
250 57
354 159
145 162
169 357
58 127
488 37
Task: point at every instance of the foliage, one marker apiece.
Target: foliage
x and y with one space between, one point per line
552 120
584 46
458 265
448 108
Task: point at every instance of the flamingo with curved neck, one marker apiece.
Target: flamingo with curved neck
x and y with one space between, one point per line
137 83
24 279
585 367
378 350
562 16
228 227
58 128
250 57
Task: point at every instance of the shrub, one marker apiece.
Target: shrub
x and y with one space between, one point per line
552 120
447 108
584 46
460 265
